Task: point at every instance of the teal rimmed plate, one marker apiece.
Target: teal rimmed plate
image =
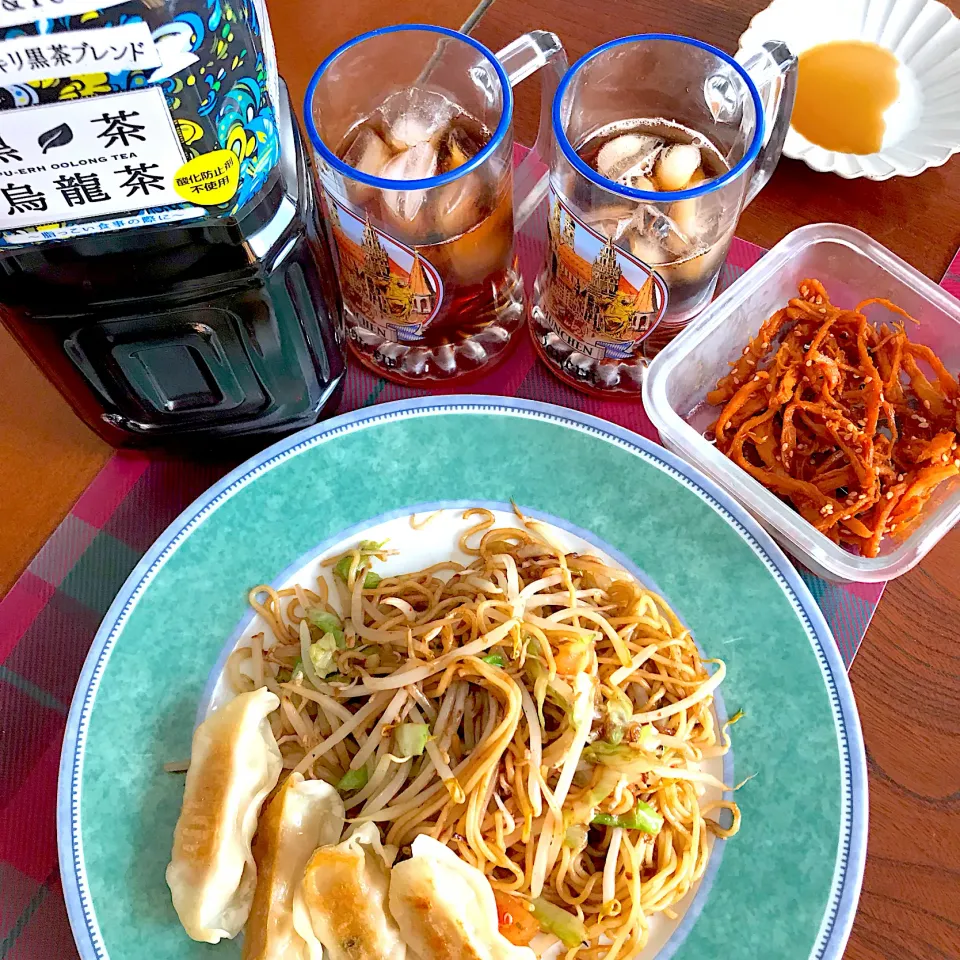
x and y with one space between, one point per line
786 886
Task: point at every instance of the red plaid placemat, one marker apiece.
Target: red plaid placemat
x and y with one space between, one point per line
49 618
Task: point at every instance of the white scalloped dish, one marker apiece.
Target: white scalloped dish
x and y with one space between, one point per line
923 124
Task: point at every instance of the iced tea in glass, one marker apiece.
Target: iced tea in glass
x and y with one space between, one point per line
660 142
412 128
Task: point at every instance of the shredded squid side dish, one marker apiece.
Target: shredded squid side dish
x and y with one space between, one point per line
840 419
538 712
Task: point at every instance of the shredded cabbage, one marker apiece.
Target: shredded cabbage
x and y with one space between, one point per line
641 817
411 739
326 622
565 926
322 655
353 780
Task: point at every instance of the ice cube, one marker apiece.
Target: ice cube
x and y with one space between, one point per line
648 249
415 116
606 228
699 218
691 270
613 228
417 163
368 154
457 149
705 263
677 165
628 157
663 228
615 220
415 231
616 228
639 182
460 206
614 212
681 247
483 250
685 216
662 239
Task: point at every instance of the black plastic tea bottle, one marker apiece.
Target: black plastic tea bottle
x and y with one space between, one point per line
161 255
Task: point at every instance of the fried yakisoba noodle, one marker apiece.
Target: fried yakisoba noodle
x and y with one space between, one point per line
838 418
341 904
302 815
445 907
234 764
538 712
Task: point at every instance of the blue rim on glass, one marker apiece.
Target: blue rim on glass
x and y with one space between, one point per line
708 186
426 183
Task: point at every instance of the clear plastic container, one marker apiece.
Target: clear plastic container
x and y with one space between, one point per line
852 267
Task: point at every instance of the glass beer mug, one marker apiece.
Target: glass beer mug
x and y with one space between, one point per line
660 142
413 131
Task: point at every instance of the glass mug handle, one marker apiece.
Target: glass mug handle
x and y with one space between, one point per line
773 68
520 59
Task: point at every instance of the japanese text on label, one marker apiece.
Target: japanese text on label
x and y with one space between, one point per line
87 158
209 179
51 56
15 12
89 228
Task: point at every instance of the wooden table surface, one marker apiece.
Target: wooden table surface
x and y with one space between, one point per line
907 675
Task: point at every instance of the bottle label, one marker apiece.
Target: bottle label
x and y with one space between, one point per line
598 298
13 13
199 74
100 156
210 179
88 228
29 59
389 288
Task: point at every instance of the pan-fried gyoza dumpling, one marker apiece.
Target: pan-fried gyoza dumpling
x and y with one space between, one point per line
304 815
342 902
445 907
234 763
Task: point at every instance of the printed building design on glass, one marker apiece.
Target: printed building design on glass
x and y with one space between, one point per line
388 287
600 299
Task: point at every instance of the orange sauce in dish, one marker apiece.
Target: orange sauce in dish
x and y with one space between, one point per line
843 89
